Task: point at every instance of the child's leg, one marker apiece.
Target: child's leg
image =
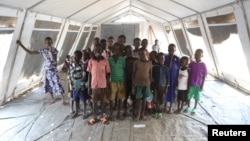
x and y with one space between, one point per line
143 107
138 109
119 108
170 108
84 109
111 104
95 109
52 101
77 105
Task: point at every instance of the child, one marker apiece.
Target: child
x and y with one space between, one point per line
159 83
173 62
198 72
78 79
128 78
117 65
182 83
99 70
141 79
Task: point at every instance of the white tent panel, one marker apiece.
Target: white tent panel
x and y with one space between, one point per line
160 12
98 7
170 7
61 8
155 17
203 5
105 13
19 3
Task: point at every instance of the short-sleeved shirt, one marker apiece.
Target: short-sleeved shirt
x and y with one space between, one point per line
98 72
160 75
198 70
117 69
49 64
142 73
78 75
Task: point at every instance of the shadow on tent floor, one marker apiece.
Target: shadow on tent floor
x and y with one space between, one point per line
30 118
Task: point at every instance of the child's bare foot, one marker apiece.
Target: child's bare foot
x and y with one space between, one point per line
137 118
169 111
143 118
65 102
177 111
52 101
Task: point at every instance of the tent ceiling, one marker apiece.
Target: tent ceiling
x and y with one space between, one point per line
101 11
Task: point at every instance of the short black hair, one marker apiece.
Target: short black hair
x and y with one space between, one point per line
184 58
78 53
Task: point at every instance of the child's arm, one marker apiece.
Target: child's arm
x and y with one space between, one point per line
27 50
189 79
133 77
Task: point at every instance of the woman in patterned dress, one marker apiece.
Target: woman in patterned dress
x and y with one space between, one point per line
52 84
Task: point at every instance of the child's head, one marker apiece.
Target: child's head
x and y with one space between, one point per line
103 43
128 51
85 55
171 49
198 54
121 39
144 43
110 41
184 61
77 55
96 40
116 49
142 54
160 58
48 41
98 49
137 43
153 55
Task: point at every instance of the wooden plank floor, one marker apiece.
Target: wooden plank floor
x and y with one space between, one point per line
30 118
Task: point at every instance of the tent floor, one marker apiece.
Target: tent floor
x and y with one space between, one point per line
31 118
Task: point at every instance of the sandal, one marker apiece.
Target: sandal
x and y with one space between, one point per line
159 115
104 121
193 111
72 114
92 121
187 109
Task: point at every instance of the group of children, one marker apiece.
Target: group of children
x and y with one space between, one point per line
115 73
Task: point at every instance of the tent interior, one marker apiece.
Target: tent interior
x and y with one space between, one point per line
221 28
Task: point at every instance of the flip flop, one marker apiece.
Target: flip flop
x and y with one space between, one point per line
193 111
104 121
187 109
92 121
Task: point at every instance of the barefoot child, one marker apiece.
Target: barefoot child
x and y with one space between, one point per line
78 80
142 76
159 83
182 83
198 72
117 65
52 84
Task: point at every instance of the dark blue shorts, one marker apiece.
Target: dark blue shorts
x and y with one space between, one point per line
80 95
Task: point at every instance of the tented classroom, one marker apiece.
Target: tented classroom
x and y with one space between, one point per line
221 28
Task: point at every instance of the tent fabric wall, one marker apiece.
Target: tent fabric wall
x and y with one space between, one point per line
27 12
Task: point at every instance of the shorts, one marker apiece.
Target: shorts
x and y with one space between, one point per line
142 92
80 95
117 91
98 94
159 93
195 92
182 95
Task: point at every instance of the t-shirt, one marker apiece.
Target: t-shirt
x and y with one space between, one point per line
198 70
117 69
